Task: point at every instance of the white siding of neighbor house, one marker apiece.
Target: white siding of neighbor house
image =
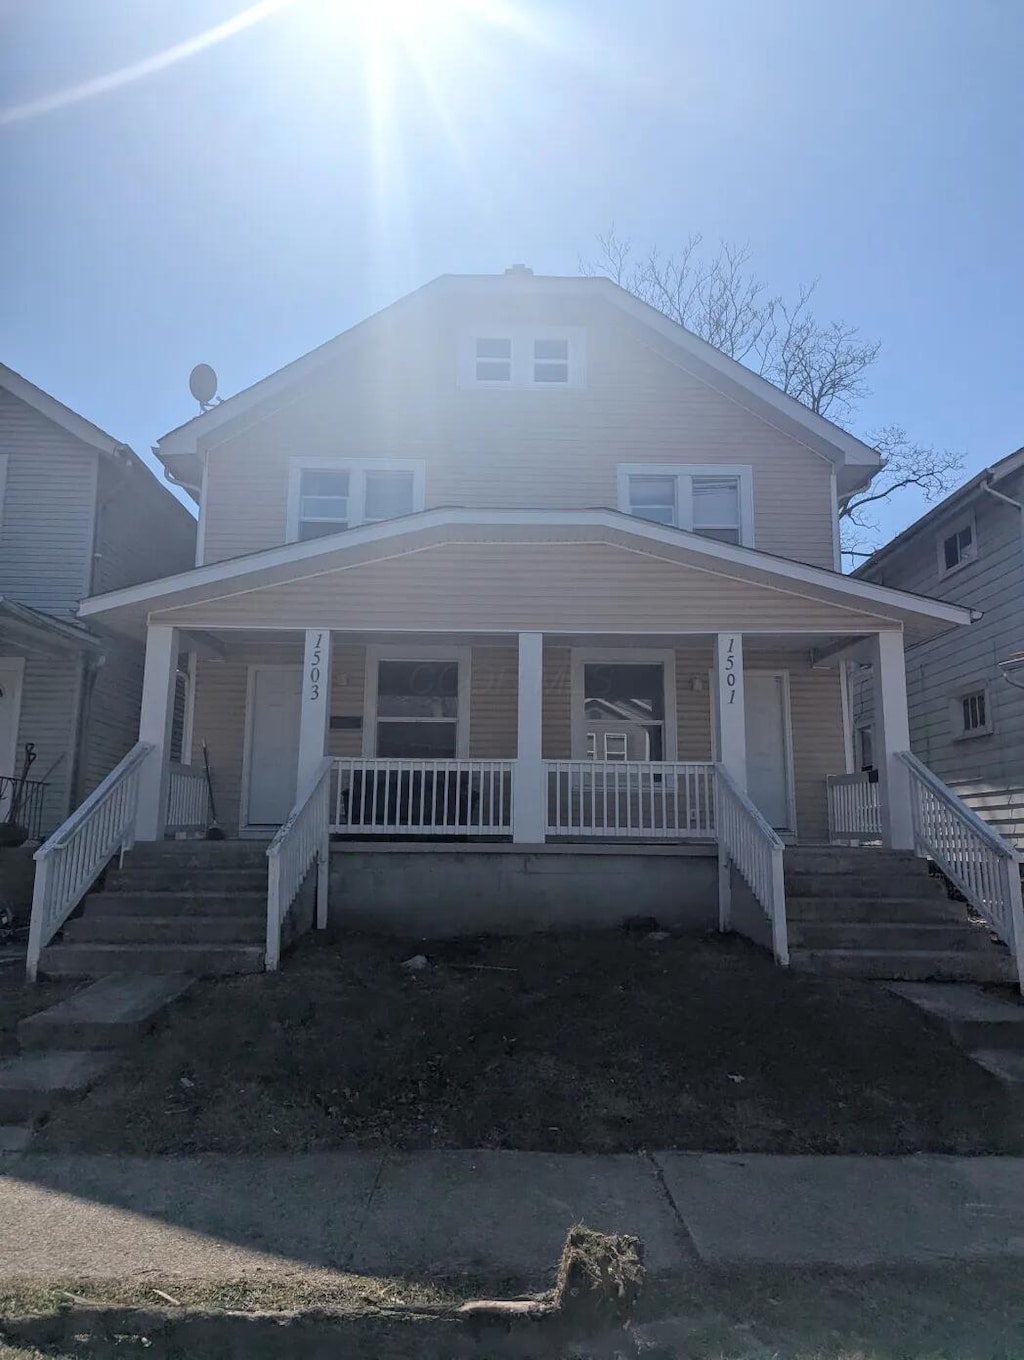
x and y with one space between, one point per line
987 770
399 398
814 696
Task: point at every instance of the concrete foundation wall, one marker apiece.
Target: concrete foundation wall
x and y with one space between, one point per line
418 891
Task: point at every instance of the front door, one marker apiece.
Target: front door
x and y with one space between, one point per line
275 699
768 762
11 670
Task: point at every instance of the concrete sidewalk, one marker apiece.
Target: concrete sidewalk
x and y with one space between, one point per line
219 1218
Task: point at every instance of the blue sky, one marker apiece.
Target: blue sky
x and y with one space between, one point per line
244 204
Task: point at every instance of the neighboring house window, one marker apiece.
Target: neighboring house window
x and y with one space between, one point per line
326 497
523 356
615 746
714 502
624 710
865 747
417 708
971 713
957 548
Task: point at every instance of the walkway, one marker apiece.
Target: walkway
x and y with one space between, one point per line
218 1218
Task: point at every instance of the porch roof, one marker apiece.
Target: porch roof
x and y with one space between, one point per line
856 604
21 625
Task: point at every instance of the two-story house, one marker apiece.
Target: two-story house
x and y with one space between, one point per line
519 570
79 514
964 688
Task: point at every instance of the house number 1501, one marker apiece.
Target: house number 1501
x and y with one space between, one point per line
314 668
730 670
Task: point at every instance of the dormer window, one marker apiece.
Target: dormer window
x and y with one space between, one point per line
538 357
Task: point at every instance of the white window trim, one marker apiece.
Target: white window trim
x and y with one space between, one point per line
357 468
621 656
15 665
955 527
411 652
522 338
743 472
956 711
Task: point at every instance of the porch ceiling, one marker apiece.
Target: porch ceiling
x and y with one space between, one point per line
502 572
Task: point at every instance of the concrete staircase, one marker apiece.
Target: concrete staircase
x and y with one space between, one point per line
872 913
192 907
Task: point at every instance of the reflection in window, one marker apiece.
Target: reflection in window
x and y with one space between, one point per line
624 710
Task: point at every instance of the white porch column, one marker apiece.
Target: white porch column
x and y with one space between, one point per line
892 734
316 703
155 719
732 726
529 806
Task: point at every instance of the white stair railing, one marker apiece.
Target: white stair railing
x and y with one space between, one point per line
304 840
854 812
984 867
188 799
69 863
746 840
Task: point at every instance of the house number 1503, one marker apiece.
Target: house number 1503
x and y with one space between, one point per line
314 668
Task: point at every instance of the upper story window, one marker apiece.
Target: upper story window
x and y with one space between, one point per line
971 713
716 502
328 496
957 547
523 356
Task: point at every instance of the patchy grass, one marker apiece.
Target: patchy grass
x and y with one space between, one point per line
19 998
962 1312
595 1042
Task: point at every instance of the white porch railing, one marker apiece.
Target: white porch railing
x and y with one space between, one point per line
422 797
302 841
70 861
983 866
663 799
854 812
746 839
188 801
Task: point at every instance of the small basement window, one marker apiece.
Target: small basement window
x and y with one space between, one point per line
958 548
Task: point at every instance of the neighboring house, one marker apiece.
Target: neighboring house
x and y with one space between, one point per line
79 513
519 561
966 704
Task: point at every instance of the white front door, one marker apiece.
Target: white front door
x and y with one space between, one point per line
275 699
11 672
768 756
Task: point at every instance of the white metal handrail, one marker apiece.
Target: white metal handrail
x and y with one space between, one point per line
657 799
380 797
854 812
68 863
303 840
747 840
984 867
188 799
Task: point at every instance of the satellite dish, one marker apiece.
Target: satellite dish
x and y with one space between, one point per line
202 383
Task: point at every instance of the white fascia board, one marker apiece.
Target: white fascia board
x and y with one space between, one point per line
311 554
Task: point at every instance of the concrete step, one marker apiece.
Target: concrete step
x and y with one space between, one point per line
118 928
106 1014
200 853
977 1019
35 1082
993 965
168 903
887 935
1004 1063
885 910
197 960
191 880
850 859
891 883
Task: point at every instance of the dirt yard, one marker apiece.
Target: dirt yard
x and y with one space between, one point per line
598 1042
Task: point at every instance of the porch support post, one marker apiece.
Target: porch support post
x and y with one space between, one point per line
732 727
892 735
155 719
316 707
529 800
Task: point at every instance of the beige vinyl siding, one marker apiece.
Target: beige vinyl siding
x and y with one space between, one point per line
518 448
572 587
348 688
494 702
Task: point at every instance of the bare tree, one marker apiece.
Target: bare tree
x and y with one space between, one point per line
715 293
